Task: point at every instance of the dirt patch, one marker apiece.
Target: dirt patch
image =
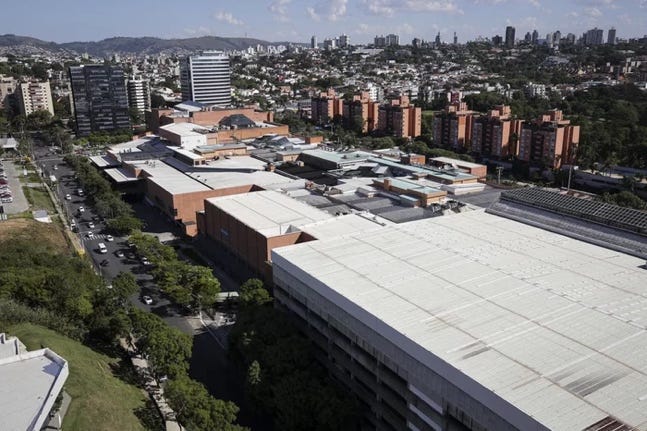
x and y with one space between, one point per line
49 233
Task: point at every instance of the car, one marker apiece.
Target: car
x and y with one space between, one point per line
89 235
131 245
110 238
90 225
55 168
6 200
81 209
68 197
6 194
80 192
147 300
144 260
119 253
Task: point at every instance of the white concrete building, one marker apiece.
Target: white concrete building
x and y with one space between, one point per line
205 78
34 96
139 95
30 382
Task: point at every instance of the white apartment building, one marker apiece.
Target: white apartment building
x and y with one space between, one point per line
34 96
139 94
205 78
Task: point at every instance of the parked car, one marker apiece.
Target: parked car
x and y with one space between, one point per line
90 225
147 300
81 209
110 238
68 197
89 235
119 253
144 260
6 200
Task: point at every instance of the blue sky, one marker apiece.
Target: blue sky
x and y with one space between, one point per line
298 20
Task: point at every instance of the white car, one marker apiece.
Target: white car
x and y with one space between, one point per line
81 209
91 225
147 300
68 197
90 235
110 238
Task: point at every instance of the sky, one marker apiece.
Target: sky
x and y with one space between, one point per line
298 20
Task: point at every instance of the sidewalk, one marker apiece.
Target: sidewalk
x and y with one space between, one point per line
153 387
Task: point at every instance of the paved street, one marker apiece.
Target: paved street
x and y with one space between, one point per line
209 362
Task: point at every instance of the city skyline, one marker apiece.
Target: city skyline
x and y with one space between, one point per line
297 21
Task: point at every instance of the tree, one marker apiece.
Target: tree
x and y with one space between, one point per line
196 409
124 285
253 292
123 224
167 348
202 284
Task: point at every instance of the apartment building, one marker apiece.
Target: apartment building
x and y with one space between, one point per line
326 107
399 118
362 107
139 95
34 96
99 97
452 128
7 88
548 141
496 134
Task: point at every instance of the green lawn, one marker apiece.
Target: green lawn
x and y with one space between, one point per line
100 400
38 198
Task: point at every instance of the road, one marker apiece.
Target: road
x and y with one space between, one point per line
209 361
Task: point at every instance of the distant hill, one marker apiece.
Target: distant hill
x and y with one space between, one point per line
135 45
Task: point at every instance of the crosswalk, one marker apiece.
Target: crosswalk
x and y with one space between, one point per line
95 237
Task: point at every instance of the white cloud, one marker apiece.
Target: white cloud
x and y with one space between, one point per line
363 28
389 7
332 10
593 12
228 18
405 28
535 3
279 8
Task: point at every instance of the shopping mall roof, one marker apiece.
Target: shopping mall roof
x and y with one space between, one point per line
169 178
31 381
268 212
554 326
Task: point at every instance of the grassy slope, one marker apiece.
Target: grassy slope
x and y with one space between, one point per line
100 401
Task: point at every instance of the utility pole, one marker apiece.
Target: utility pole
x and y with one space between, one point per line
570 167
499 169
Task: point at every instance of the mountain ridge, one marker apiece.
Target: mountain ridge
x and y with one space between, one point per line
136 45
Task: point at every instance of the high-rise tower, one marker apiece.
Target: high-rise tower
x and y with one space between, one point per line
205 78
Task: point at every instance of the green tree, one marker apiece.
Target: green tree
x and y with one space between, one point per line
197 410
124 285
167 348
253 292
202 285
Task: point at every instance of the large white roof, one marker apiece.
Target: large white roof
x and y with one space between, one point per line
30 383
268 212
169 178
555 326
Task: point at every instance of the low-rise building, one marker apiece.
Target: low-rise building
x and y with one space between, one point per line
250 225
31 382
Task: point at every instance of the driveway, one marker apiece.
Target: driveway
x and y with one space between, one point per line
19 203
